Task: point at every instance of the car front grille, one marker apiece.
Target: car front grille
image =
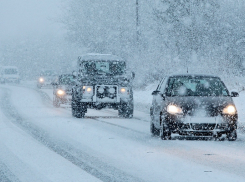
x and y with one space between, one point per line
202 126
108 91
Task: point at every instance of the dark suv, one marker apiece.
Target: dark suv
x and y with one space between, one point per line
193 105
102 82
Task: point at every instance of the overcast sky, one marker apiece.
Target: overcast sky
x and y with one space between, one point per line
23 18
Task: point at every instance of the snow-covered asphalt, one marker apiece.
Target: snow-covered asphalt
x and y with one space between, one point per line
41 143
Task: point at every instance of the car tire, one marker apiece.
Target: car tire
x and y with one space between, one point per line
78 108
126 110
232 135
154 131
165 134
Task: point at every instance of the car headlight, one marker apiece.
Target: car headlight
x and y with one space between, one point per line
123 90
173 109
229 110
41 80
88 90
60 92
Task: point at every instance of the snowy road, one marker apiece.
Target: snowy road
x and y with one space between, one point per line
41 143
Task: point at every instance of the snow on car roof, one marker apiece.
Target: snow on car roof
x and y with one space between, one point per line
192 75
95 56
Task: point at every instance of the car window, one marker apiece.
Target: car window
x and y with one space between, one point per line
198 86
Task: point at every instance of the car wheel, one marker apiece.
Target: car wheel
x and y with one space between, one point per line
232 135
125 110
78 109
154 131
164 133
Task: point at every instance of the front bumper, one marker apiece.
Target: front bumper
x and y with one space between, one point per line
200 125
106 96
66 99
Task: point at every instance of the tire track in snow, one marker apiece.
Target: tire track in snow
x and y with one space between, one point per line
79 158
6 175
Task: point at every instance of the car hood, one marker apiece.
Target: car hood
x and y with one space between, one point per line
201 106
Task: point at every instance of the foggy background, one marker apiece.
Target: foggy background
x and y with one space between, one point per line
171 36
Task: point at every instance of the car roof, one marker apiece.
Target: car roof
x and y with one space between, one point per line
95 56
66 74
193 75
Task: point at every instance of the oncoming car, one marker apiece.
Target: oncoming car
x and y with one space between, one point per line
63 89
9 74
193 105
46 77
103 83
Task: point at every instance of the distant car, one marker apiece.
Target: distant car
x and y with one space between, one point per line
193 105
9 74
46 77
62 93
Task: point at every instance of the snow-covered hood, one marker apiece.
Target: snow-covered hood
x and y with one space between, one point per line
204 106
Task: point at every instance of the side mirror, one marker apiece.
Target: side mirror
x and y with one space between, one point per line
234 94
132 75
74 73
155 92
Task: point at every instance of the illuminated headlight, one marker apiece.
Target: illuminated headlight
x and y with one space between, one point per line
60 92
173 109
41 80
87 89
229 110
123 90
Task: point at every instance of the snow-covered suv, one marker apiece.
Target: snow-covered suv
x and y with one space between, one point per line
102 82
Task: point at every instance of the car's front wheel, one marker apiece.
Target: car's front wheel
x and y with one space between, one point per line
78 108
232 135
154 131
126 110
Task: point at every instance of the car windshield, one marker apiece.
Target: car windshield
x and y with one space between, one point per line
66 79
10 71
103 67
196 86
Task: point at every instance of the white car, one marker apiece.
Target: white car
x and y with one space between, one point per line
9 74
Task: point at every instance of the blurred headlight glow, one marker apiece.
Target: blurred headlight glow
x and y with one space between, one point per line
60 92
41 80
229 110
172 109
89 89
122 90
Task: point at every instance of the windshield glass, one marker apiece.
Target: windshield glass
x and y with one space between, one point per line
66 79
196 86
103 67
11 71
